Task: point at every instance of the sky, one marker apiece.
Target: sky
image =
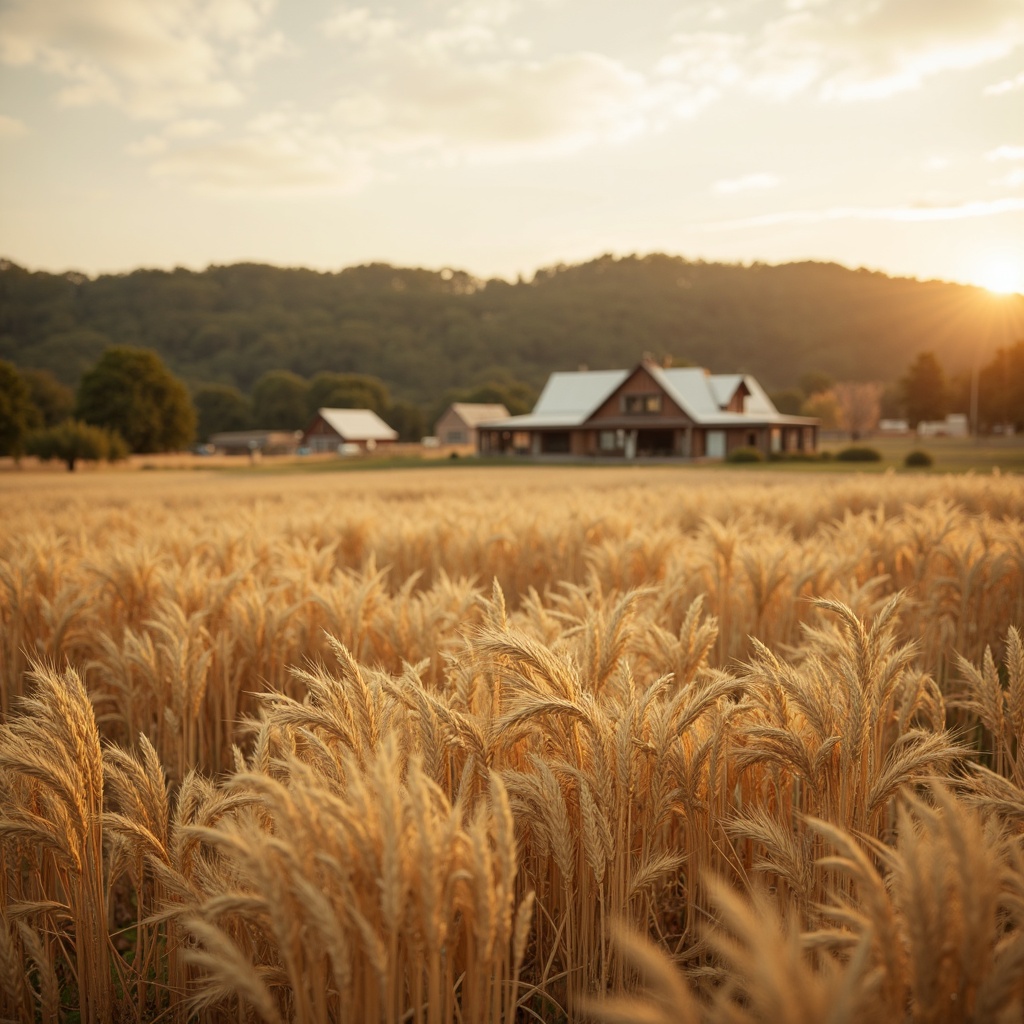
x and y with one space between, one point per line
500 136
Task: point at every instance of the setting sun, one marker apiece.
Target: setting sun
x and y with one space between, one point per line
1002 278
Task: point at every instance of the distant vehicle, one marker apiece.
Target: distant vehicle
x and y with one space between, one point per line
430 442
347 448
202 449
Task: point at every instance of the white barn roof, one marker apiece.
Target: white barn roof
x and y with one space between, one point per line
358 425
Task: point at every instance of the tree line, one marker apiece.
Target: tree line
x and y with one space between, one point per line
250 346
424 333
129 401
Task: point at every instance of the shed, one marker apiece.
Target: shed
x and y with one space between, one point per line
459 422
332 428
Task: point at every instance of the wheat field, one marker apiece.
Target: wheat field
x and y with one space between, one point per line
511 744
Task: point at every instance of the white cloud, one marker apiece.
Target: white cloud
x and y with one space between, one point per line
11 127
1008 85
852 49
748 183
1014 179
359 25
917 213
462 89
277 153
152 59
1006 153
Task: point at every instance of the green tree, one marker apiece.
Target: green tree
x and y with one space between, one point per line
815 382
221 407
54 402
789 401
16 410
925 393
131 391
73 440
347 391
408 419
279 401
1001 389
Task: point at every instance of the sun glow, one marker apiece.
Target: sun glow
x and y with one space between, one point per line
1001 278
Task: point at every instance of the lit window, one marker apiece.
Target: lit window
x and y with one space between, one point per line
640 404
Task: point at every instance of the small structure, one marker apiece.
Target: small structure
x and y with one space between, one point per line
954 425
347 430
256 442
459 423
650 412
893 426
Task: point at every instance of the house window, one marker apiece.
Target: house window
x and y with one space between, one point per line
456 437
641 404
611 440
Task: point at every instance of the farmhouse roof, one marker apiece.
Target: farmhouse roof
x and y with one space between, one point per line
358 425
570 398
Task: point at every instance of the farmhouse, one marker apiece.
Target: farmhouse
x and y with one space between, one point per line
333 428
650 411
459 422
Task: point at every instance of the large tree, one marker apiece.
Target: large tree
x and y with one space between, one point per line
54 402
347 391
131 392
925 394
16 410
279 401
220 408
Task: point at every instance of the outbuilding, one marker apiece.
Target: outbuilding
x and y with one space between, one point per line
459 423
334 430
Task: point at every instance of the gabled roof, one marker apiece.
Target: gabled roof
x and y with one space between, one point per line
358 425
474 413
577 394
569 399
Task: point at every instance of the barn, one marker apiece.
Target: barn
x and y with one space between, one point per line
332 430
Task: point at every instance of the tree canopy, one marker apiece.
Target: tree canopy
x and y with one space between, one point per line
16 410
279 401
925 391
220 407
423 333
73 440
130 391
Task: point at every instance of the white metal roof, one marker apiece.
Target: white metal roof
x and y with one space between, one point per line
358 425
570 398
577 394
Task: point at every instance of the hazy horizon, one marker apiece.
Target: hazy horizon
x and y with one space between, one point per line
499 137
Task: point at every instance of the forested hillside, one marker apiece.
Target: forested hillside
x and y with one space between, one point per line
424 332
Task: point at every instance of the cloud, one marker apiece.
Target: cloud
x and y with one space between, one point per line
855 50
276 154
461 88
749 182
1006 153
906 214
11 127
1008 85
152 59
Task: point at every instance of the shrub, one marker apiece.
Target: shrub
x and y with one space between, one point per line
859 455
917 458
73 440
744 455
